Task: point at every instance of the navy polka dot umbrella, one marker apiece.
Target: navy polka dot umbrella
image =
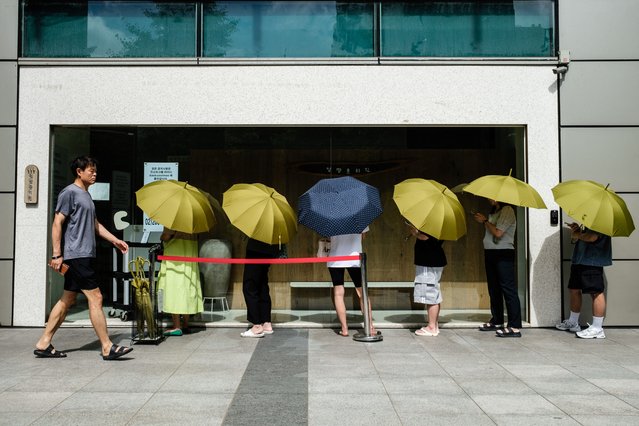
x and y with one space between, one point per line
338 206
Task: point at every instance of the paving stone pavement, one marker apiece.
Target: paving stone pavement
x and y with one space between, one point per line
316 377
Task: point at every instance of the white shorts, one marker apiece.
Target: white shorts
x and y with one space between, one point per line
427 287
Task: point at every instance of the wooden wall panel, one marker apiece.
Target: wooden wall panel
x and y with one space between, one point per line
390 255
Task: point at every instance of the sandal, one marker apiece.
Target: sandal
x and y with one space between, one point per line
508 332
341 333
425 332
249 333
49 352
489 327
116 352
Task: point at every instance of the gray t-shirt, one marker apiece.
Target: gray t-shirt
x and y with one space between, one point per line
504 220
78 231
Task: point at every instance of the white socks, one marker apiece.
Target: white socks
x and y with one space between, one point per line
597 322
574 317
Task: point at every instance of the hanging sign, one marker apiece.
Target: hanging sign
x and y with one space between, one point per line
348 169
152 173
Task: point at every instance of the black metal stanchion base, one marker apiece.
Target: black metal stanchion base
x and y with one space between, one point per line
363 337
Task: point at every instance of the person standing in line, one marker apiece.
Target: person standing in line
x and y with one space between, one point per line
73 237
591 253
180 281
499 259
347 245
430 261
255 288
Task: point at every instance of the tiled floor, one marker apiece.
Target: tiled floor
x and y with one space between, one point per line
314 376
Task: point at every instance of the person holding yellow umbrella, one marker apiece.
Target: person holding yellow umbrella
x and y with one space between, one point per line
592 251
603 214
499 246
184 211
179 282
265 216
499 260
433 214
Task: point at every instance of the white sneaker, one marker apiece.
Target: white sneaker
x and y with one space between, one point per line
567 325
592 333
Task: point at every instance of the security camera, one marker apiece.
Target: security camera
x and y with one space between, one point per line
562 69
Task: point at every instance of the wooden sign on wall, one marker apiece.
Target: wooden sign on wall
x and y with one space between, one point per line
31 177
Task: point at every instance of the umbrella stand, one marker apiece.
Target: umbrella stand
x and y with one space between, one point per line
155 302
366 335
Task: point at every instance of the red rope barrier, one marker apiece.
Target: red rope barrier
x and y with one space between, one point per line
258 261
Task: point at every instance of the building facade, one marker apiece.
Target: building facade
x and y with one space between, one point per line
286 93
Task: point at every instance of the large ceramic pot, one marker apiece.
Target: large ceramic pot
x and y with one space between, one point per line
217 276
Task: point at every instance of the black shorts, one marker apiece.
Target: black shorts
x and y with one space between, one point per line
81 275
337 275
588 279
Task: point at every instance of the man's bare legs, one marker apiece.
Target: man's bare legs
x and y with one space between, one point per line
340 308
56 318
575 300
598 305
98 320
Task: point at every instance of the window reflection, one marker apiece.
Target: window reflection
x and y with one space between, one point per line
140 29
109 29
468 29
288 29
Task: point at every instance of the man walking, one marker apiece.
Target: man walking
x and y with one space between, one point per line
73 237
592 252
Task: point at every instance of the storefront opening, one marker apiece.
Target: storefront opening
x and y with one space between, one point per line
292 159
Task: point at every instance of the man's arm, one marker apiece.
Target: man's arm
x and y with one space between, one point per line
104 233
56 240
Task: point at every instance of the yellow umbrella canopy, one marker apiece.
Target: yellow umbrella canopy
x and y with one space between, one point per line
506 189
457 189
260 212
595 206
431 207
176 205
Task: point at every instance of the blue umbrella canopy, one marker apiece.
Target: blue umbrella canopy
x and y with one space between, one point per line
339 206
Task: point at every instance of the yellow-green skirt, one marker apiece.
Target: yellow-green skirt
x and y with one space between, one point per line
180 281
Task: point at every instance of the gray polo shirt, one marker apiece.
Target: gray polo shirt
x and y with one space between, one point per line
78 233
504 220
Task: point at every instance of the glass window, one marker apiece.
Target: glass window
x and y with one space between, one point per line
263 29
291 160
108 29
468 29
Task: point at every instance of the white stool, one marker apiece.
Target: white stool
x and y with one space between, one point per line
224 304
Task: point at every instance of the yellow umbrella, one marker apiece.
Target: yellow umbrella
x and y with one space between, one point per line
506 189
431 207
260 212
176 205
459 188
595 206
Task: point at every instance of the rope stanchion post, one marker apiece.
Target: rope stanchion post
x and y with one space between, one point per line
366 336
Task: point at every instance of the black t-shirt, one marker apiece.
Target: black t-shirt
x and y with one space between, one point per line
429 252
259 250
